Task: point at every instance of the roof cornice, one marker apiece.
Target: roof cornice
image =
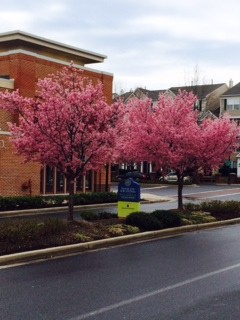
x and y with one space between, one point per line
22 39
12 52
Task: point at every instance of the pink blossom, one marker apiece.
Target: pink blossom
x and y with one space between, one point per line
169 135
68 125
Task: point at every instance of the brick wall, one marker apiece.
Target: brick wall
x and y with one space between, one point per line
13 172
26 70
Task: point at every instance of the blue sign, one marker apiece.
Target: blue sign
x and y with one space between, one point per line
129 190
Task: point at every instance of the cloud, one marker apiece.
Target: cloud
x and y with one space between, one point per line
155 44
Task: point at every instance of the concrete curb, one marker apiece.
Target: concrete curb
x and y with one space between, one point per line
28 212
29 256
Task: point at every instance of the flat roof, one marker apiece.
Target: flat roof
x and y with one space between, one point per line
21 40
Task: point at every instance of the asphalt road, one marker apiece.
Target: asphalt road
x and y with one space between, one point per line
189 277
194 193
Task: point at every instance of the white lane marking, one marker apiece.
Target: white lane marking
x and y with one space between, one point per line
153 293
187 194
223 195
201 192
160 187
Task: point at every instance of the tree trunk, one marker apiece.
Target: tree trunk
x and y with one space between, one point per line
180 189
107 176
70 200
83 183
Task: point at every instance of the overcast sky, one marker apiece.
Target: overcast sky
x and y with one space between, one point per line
153 44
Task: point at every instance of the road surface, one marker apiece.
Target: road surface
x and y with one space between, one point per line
195 276
192 193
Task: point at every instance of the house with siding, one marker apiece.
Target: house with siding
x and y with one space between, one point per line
141 93
230 104
208 96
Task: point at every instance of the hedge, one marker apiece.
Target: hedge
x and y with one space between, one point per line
35 202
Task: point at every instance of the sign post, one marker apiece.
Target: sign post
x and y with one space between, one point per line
238 164
129 195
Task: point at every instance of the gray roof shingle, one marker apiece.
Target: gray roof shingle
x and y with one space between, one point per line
201 91
235 90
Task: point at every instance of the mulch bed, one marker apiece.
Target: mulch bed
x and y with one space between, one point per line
95 230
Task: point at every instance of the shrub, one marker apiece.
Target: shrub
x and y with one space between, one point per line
27 202
222 209
144 221
167 218
219 209
90 216
106 215
81 237
116 230
18 202
192 206
55 201
95 197
122 229
132 229
197 217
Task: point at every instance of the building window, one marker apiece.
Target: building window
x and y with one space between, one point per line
54 182
198 105
88 182
234 164
49 188
5 76
233 104
42 181
60 182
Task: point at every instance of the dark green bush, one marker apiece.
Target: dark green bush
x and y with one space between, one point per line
144 221
18 202
192 206
79 199
167 218
106 215
27 202
218 209
54 201
222 209
91 216
95 197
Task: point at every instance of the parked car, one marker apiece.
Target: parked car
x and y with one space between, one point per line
172 177
136 175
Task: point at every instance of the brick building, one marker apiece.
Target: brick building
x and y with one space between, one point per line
24 58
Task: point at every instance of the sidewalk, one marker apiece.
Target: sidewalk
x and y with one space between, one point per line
154 198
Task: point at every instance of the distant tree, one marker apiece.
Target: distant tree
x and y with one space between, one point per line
68 125
170 135
195 79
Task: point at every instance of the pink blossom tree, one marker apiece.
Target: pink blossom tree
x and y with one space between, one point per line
68 125
169 134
